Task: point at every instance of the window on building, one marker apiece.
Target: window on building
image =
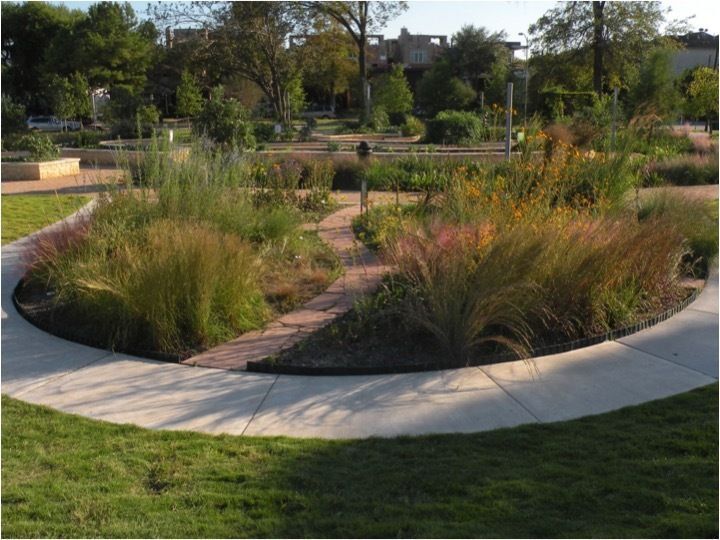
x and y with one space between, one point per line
418 56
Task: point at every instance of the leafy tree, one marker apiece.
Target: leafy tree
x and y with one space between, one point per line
440 90
655 89
225 122
392 92
70 96
480 58
28 30
608 36
703 92
296 95
360 19
13 116
111 48
124 103
327 66
249 39
189 97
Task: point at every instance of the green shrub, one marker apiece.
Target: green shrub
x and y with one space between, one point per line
130 129
381 225
379 119
642 137
347 173
412 126
40 146
147 114
13 116
264 132
78 139
224 121
439 89
455 127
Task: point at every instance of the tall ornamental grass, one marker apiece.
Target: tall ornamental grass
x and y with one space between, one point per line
530 282
171 286
537 251
188 258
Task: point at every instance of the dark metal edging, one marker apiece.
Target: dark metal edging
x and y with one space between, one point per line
612 335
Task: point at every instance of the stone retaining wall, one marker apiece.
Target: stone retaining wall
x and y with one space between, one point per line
40 170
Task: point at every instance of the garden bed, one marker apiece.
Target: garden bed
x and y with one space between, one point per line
514 261
182 264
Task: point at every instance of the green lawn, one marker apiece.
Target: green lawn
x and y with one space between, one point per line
24 214
645 471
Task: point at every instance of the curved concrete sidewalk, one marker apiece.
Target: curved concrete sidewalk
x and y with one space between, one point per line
672 357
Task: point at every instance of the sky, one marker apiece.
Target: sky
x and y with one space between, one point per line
512 16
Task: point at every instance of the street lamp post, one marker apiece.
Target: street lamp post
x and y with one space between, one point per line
525 101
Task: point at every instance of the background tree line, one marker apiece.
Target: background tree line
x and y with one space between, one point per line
285 54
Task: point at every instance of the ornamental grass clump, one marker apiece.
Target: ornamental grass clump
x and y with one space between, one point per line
186 261
170 287
527 283
467 286
598 274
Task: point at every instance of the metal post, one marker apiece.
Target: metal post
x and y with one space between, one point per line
527 74
368 97
482 101
614 119
508 120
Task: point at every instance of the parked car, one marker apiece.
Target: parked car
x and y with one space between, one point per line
51 123
319 111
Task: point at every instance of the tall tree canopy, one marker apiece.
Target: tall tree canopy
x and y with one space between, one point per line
360 19
328 68
608 37
112 47
703 92
480 57
107 46
439 89
28 30
249 39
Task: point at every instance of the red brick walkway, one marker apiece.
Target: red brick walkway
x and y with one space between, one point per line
363 272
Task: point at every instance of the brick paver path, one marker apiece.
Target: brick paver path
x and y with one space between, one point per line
363 272
90 180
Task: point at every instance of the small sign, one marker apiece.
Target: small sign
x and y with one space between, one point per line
278 129
363 196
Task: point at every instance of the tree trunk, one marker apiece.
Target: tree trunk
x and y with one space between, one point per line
598 45
363 80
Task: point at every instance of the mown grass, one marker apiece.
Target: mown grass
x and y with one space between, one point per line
24 214
645 471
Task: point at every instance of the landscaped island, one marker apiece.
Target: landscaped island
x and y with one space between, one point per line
192 257
505 261
496 261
